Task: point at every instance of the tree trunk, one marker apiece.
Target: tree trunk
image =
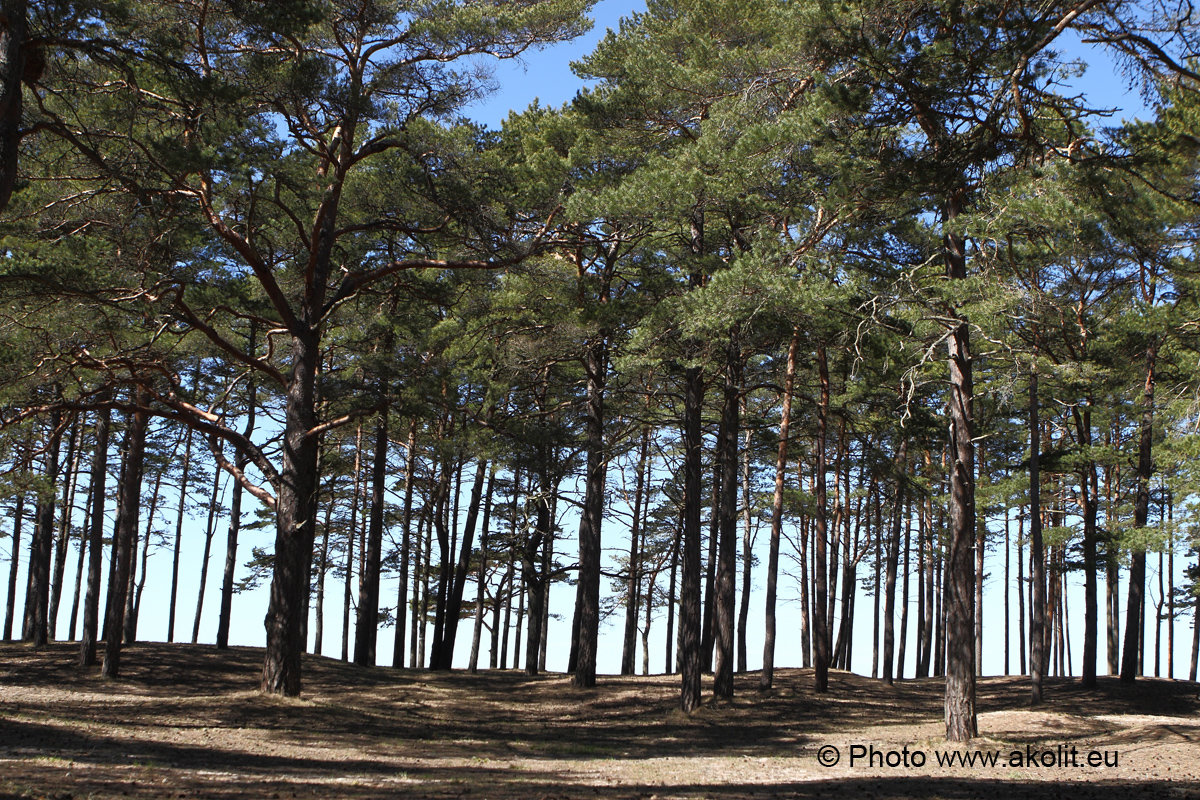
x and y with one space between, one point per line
454 604
240 460
690 655
366 629
1130 665
893 560
592 516
128 507
747 551
10 606
633 582
214 501
821 535
481 576
727 544
405 546
1037 553
14 35
184 476
961 723
294 530
767 677
97 489
37 593
900 651
62 543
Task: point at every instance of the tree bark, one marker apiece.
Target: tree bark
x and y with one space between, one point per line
37 593
97 489
961 724
214 500
295 518
727 544
185 475
128 508
1130 657
366 629
62 543
591 519
821 536
767 677
633 582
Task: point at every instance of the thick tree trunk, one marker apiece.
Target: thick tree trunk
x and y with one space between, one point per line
37 593
95 534
294 529
14 35
536 579
690 656
727 545
961 722
1130 657
128 508
591 519
767 677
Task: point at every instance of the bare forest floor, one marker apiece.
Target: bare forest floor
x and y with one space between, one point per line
186 721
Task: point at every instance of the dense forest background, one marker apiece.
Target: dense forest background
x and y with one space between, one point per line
841 310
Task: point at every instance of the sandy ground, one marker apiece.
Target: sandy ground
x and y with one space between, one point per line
185 721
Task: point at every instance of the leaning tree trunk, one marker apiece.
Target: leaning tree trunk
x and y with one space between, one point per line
1141 515
466 547
767 676
961 724
128 509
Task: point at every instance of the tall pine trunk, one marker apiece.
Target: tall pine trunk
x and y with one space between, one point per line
727 542
591 519
95 534
37 594
1131 654
295 515
767 677
128 507
961 724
